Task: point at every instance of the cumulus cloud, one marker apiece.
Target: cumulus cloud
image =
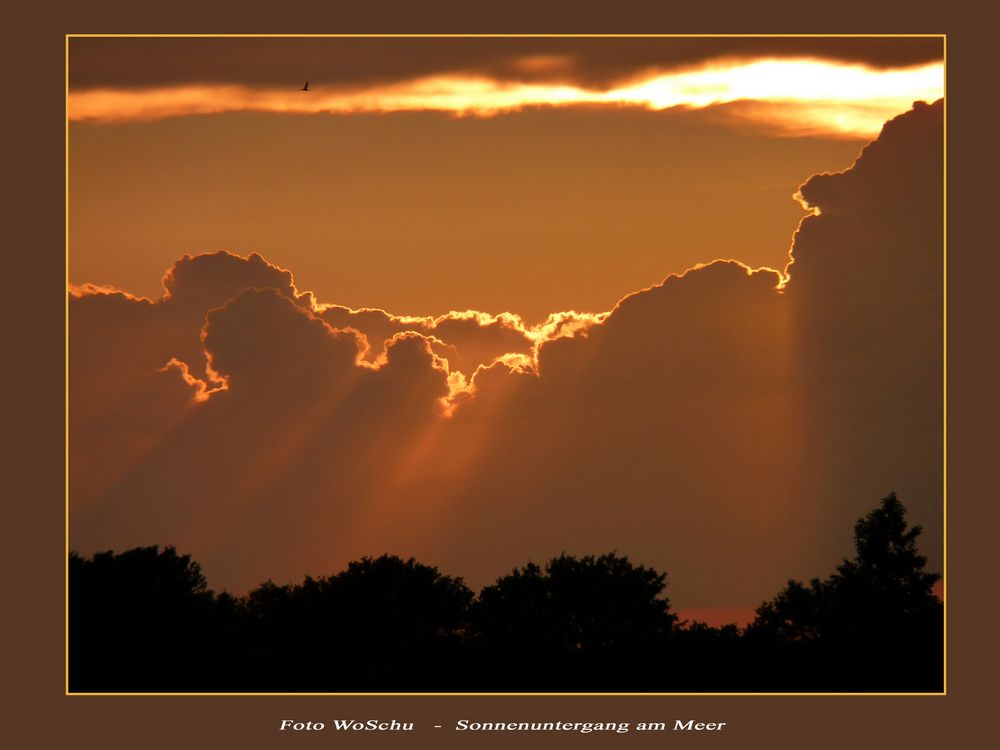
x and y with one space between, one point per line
138 364
867 289
666 433
725 425
468 339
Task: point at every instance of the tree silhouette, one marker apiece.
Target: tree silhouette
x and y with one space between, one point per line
383 624
703 658
581 624
140 620
875 624
145 620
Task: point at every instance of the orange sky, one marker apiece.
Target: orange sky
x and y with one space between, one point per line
421 213
529 210
705 423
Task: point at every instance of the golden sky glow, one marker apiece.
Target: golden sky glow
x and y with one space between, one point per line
421 213
802 96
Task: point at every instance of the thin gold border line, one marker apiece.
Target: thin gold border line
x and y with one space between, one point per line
944 39
944 374
516 36
480 695
66 373
508 36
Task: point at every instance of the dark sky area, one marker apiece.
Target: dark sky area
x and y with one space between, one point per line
593 62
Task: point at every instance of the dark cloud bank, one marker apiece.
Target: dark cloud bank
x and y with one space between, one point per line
712 426
136 62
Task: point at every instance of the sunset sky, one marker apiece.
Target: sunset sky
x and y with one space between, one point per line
450 302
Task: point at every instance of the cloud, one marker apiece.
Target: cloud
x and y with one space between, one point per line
839 87
722 425
139 364
867 288
467 339
200 282
261 340
596 63
666 432
281 462
795 95
152 332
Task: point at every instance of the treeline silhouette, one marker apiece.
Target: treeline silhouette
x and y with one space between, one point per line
145 621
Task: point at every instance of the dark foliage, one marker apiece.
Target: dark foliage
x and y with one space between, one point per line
145 621
874 625
382 625
595 622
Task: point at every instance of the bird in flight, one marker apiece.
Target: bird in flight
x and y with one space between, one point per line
306 87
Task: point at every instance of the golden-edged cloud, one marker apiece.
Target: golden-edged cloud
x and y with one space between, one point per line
793 96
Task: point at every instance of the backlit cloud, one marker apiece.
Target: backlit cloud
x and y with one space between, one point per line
467 339
803 95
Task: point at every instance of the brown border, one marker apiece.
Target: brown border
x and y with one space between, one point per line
42 716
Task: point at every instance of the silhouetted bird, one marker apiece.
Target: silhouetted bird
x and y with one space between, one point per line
306 87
